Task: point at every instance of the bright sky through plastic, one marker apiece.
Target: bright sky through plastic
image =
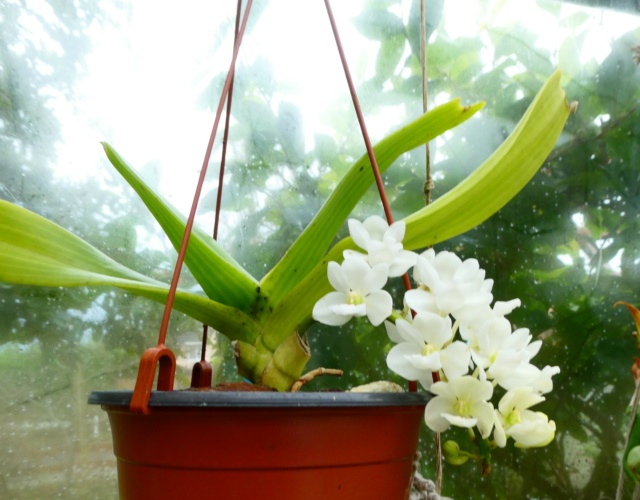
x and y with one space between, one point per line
145 76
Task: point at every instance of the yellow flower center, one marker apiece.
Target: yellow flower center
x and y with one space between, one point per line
514 418
428 349
354 298
462 408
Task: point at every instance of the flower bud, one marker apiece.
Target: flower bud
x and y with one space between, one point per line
451 451
633 459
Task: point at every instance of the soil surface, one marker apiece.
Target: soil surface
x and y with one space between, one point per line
236 386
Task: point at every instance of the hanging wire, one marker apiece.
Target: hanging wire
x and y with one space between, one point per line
203 365
196 197
225 136
413 386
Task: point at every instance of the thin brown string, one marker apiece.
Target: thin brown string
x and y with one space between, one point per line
363 127
225 136
428 187
223 162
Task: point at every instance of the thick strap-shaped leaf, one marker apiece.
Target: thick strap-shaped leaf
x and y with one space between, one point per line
25 235
489 187
219 275
310 247
35 251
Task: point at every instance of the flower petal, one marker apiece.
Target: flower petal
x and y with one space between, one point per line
402 262
379 306
534 431
375 278
485 413
435 329
323 311
376 227
471 389
459 421
421 300
396 231
430 363
435 411
410 333
498 432
504 308
397 361
455 360
337 278
355 273
359 234
352 254
392 332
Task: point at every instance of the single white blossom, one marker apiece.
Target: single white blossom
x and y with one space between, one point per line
458 286
358 293
513 419
421 301
425 347
528 375
469 328
501 352
383 244
392 332
463 402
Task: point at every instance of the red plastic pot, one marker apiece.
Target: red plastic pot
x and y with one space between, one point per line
237 445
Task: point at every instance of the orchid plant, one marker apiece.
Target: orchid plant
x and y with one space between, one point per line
266 318
448 336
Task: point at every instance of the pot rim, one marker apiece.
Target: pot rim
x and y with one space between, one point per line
242 399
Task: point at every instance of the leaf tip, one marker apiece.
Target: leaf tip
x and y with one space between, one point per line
573 107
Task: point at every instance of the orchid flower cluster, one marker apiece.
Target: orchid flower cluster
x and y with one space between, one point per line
448 336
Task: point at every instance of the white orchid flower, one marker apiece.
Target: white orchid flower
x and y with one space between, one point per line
449 290
458 286
513 419
469 328
383 244
528 375
358 293
463 402
422 301
392 332
425 347
494 338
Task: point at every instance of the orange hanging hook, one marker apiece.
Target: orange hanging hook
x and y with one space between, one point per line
159 356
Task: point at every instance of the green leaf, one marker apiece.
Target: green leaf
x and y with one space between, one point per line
221 277
310 247
500 177
35 251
